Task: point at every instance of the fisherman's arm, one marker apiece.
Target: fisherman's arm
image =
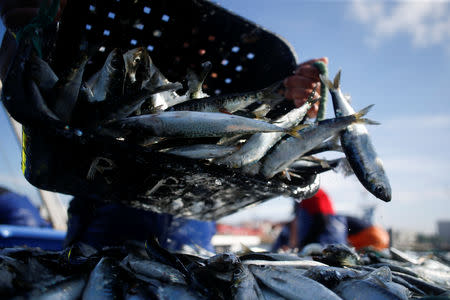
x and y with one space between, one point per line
300 85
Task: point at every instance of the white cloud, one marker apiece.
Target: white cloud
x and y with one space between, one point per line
427 23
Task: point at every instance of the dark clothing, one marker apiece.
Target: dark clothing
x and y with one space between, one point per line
17 209
356 225
112 224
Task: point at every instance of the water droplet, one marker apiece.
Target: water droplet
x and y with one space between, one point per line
66 127
218 182
78 132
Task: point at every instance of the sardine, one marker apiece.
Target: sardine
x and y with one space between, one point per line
308 165
259 144
20 95
65 92
358 148
70 289
201 151
153 269
340 255
291 284
103 281
375 285
290 149
195 83
43 75
231 103
108 82
137 70
244 285
196 124
331 144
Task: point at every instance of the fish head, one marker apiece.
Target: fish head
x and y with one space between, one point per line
137 64
382 191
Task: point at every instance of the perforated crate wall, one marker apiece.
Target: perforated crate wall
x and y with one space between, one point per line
178 34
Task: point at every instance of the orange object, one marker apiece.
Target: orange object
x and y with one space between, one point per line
372 236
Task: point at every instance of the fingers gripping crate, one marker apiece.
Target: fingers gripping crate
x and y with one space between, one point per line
179 35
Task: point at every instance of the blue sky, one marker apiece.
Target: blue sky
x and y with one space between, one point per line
395 55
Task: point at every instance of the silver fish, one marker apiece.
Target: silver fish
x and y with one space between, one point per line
290 150
196 124
232 102
103 281
71 289
291 284
109 80
201 151
195 83
244 285
153 269
315 165
66 90
375 285
358 148
42 74
259 144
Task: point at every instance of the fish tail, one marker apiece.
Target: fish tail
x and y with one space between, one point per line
272 94
325 80
293 131
367 121
363 111
337 80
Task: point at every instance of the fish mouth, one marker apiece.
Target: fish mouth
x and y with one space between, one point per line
383 193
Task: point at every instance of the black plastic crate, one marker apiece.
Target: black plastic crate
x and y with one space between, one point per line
178 34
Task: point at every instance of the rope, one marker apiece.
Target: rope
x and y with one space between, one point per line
323 69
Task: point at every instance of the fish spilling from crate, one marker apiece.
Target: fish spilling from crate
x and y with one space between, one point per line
131 104
148 271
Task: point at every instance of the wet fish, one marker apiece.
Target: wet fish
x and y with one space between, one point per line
195 83
66 90
259 144
223 262
137 70
230 103
43 75
70 289
109 81
103 281
20 91
331 144
290 150
195 124
331 276
305 264
358 148
153 269
244 285
315 165
340 255
201 151
375 285
291 284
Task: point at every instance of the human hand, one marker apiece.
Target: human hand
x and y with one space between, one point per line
300 85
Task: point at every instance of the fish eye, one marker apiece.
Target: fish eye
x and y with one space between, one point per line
237 272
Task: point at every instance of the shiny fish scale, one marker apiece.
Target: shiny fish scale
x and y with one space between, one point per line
358 148
258 144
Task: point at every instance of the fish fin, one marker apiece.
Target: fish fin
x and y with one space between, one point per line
363 111
326 81
337 80
344 167
287 174
294 130
367 121
273 94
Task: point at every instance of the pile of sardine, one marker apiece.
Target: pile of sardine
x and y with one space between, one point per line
130 100
138 271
